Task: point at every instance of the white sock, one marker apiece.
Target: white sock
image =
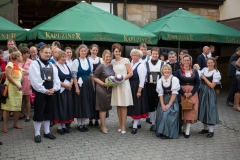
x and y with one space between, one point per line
188 128
59 125
46 125
83 120
184 126
79 121
135 123
153 117
64 125
205 126
210 128
37 127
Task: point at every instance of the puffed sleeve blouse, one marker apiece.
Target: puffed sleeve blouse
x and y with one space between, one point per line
216 74
175 85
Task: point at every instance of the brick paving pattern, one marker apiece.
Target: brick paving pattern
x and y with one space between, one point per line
225 145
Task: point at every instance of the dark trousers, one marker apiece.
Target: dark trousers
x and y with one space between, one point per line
232 89
153 98
43 107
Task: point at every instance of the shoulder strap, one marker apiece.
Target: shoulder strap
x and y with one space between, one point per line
148 57
41 70
51 69
147 65
89 63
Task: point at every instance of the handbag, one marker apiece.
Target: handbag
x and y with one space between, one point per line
3 93
187 104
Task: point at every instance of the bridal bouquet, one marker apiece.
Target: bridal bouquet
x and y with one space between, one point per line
119 79
110 81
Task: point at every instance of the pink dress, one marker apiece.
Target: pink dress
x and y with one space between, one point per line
26 86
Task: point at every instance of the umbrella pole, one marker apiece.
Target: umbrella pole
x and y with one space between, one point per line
178 50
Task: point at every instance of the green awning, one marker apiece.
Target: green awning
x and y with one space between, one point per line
9 30
182 25
85 22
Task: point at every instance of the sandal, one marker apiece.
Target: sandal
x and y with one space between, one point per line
4 130
17 127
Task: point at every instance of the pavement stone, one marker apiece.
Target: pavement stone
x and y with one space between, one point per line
20 145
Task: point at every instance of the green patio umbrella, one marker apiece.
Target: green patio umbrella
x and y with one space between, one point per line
9 30
85 22
182 25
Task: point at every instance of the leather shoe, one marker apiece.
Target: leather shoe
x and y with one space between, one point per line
134 131
138 126
90 123
49 135
229 104
148 120
65 130
27 120
186 136
96 123
203 131
51 124
37 139
60 131
163 137
152 128
68 125
1 143
80 128
85 128
210 134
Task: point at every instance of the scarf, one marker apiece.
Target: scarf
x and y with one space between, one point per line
3 65
45 62
154 62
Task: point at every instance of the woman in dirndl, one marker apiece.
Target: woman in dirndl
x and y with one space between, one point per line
208 111
63 111
96 61
167 116
189 82
84 97
139 109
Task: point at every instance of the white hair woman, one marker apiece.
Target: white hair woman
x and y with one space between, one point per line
167 116
139 109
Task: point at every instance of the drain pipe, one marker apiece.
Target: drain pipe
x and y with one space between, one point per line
125 10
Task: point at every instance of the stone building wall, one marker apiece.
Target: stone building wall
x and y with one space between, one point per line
13 17
138 14
212 14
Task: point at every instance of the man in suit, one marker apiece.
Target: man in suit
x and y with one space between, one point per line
201 59
232 76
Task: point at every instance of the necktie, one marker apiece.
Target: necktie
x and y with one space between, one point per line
206 57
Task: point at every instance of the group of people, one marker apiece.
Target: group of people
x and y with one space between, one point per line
66 89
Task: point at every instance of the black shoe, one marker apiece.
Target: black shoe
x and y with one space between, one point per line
203 131
134 131
210 134
229 104
51 124
186 136
49 135
60 131
22 117
68 125
80 128
138 126
27 120
152 128
148 120
163 137
183 133
90 123
1 143
65 130
85 128
96 123
37 139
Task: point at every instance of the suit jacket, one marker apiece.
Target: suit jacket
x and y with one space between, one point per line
201 61
231 68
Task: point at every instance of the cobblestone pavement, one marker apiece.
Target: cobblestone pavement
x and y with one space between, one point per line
225 145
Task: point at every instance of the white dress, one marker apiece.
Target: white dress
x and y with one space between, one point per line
121 94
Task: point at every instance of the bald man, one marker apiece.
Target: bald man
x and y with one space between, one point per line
33 53
201 59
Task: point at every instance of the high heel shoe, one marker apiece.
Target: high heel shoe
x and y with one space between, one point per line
123 132
119 130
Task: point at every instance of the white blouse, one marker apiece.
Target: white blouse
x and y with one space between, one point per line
84 65
142 72
36 80
69 63
63 68
155 68
95 60
216 74
175 85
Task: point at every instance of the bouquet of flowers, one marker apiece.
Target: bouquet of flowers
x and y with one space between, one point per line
110 81
119 79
